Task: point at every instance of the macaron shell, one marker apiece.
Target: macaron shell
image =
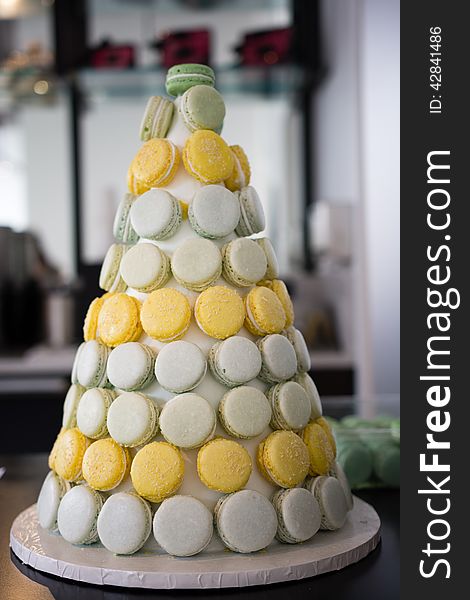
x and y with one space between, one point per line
52 491
265 313
252 218
70 450
122 228
78 514
319 448
124 523
272 270
92 411
145 267
224 465
214 212
110 276
182 526
235 361
301 349
207 157
119 321
156 162
166 314
299 515
332 501
71 402
187 421
244 262
130 366
279 361
285 458
311 389
156 215
219 312
180 366
196 264
157 118
157 471
290 405
202 107
181 77
241 173
91 365
132 419
244 412
105 464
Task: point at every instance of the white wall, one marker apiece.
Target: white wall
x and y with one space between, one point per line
357 138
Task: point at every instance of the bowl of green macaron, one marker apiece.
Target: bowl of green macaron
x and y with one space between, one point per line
369 450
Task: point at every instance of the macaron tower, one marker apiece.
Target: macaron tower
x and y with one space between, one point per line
190 401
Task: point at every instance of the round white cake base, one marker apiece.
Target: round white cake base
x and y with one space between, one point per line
150 568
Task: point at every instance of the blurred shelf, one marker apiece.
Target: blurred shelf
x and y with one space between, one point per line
158 7
107 84
331 359
41 361
30 88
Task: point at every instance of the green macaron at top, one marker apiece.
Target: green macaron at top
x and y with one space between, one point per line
181 77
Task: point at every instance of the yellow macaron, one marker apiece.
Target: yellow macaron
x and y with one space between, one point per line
157 471
283 459
241 172
166 314
219 312
119 320
154 165
319 449
184 210
207 157
69 453
105 464
280 289
90 325
264 312
224 465
134 185
329 432
53 452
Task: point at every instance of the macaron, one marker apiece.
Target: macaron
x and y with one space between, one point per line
105 464
156 215
90 325
202 107
244 262
264 312
182 526
290 406
279 361
110 275
187 421
134 185
207 157
52 491
235 361
124 523
157 118
387 463
338 472
246 521
157 471
53 453
131 366
180 366
319 449
73 374
357 461
165 314
145 268
252 219
118 321
219 312
132 419
122 228
181 77
92 412
196 264
298 515
69 453
283 459
244 412
309 386
280 289
214 212
224 465
91 365
71 401
78 515
272 269
328 431
154 165
297 340
332 502
241 172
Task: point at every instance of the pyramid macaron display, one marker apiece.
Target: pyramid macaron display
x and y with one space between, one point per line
191 414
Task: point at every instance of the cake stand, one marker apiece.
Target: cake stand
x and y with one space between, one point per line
214 568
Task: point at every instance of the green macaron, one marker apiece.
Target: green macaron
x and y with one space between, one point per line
181 77
202 107
122 228
157 118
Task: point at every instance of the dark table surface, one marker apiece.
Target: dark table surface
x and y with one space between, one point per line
376 576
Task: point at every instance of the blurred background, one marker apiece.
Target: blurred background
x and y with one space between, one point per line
312 94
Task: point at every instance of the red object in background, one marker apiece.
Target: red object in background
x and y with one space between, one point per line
265 48
178 47
112 56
